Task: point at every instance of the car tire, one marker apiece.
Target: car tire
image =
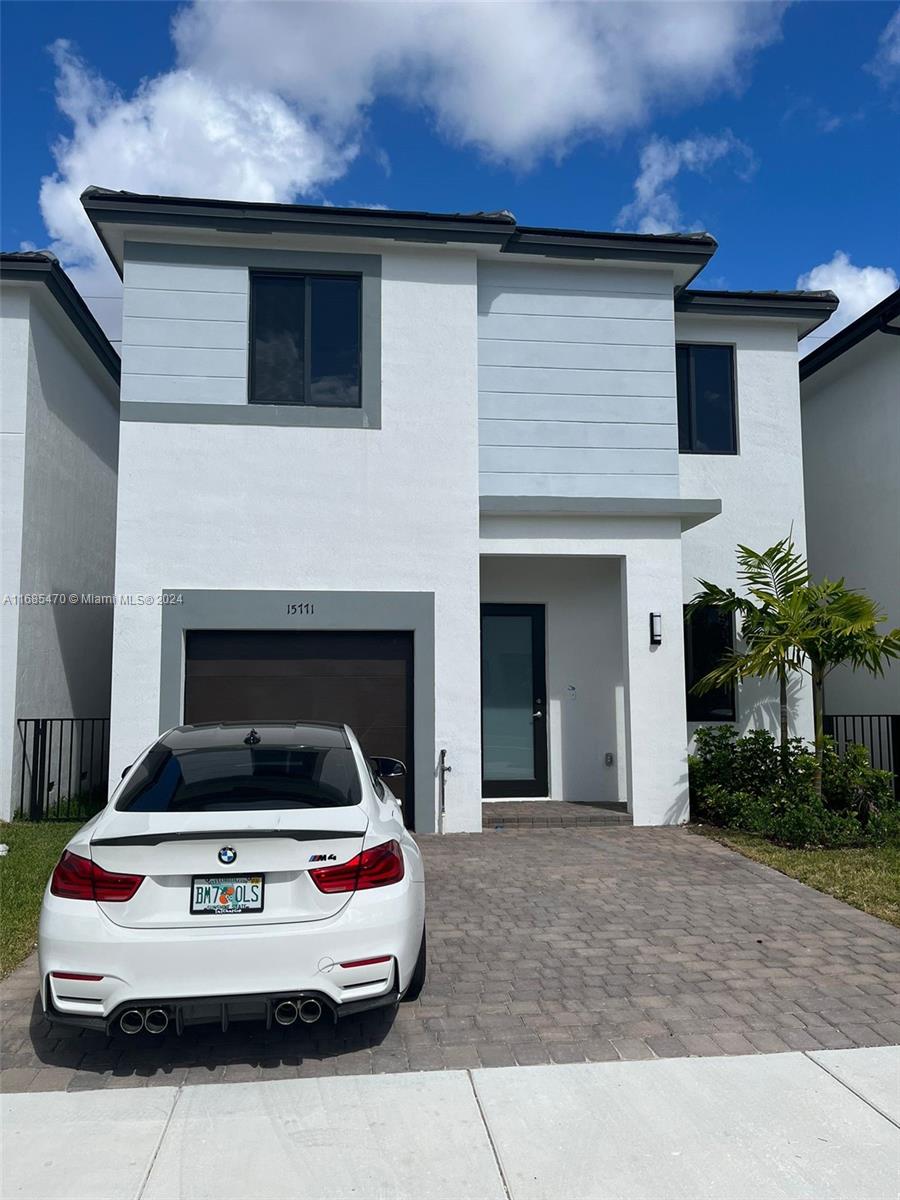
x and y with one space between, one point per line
417 981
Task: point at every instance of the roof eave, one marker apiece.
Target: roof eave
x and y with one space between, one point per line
111 212
873 321
805 310
114 211
48 272
690 252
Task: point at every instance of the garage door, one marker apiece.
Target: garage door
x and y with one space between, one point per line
362 679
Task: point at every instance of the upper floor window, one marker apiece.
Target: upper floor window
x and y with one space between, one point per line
305 341
708 635
707 421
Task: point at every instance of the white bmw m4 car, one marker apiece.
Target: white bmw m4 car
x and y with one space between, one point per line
237 874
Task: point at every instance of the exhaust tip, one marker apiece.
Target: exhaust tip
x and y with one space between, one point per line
286 1012
156 1020
131 1021
310 1011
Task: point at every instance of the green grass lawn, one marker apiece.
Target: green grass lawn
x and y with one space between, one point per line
868 878
33 853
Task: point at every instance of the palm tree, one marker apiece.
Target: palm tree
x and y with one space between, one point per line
803 626
768 577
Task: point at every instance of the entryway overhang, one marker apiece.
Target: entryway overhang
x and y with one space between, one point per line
689 512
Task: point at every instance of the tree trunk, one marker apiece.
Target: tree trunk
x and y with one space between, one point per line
783 713
818 690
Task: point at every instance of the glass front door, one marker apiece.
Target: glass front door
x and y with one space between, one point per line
513 700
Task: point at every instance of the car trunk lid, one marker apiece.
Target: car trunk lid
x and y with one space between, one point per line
275 847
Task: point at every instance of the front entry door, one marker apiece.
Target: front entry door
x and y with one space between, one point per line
513 700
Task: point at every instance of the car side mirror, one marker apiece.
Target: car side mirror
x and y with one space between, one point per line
388 768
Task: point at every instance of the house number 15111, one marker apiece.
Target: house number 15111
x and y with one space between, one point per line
301 609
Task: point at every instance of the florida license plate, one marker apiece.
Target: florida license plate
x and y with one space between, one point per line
226 894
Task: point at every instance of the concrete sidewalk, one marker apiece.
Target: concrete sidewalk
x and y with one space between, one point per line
823 1125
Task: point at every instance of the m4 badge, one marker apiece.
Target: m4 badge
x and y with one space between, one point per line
323 858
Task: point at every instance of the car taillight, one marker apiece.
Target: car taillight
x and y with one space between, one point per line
373 868
77 878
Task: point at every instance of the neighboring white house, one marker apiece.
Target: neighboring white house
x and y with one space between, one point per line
59 447
421 472
850 390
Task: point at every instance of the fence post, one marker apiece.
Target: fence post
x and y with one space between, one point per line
38 769
895 753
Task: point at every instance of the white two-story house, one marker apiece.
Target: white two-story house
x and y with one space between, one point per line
447 478
850 392
59 431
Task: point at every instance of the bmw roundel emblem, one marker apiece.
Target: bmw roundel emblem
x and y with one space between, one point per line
227 855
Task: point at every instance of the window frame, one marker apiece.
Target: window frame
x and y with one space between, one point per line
306 275
735 427
691 697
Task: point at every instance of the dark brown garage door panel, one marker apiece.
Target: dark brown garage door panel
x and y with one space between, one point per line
358 678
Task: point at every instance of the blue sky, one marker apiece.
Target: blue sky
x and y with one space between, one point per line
775 127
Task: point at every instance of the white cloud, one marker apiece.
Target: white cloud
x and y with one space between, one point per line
857 288
515 79
886 63
180 133
270 100
655 208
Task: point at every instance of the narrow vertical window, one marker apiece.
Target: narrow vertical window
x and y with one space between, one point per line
708 636
707 418
334 342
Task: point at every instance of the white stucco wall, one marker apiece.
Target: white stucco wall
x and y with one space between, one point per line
648 551
585 671
59 479
393 509
851 451
14 306
761 487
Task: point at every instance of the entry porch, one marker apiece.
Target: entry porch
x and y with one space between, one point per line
583 685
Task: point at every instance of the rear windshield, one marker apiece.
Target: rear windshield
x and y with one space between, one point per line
216 779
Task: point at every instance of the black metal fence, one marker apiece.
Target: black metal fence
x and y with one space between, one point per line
63 767
879 734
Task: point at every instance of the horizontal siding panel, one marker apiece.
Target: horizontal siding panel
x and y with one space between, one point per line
593 356
572 304
178 389
204 306
576 382
628 280
532 407
577 434
610 331
201 335
177 360
555 460
654 487
186 277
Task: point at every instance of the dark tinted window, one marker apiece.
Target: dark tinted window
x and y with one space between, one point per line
334 341
706 409
305 340
229 778
278 339
708 634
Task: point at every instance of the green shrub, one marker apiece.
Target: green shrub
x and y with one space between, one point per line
748 783
851 784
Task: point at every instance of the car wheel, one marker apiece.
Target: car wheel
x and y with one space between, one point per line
417 982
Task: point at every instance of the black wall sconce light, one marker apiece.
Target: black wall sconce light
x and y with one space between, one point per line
656 629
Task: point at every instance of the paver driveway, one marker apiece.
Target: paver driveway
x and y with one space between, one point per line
555 945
